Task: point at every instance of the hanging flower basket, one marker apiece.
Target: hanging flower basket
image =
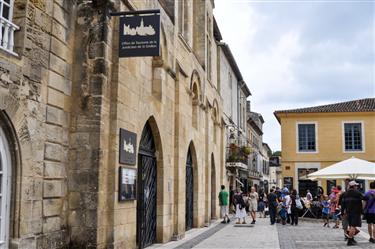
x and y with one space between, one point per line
246 150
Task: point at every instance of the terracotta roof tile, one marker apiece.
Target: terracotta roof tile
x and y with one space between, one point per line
360 105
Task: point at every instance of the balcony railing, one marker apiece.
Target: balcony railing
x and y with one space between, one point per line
7 29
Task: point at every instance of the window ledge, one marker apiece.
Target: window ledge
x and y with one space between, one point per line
307 152
9 52
354 151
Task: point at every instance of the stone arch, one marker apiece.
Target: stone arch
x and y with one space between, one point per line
215 112
152 124
194 157
195 86
195 89
10 133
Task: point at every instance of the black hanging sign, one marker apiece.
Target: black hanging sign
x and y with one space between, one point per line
139 34
128 147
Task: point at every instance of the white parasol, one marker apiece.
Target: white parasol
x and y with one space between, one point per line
352 168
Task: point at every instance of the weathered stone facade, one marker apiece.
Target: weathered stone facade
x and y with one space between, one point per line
66 95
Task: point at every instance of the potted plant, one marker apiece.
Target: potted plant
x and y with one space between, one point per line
246 150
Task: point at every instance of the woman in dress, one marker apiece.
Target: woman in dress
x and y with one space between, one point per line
240 207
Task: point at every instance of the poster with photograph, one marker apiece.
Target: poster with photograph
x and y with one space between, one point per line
127 184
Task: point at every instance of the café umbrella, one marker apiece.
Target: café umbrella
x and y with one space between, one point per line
352 168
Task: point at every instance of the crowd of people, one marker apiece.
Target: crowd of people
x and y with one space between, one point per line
345 208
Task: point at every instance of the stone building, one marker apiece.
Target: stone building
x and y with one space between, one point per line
64 96
234 93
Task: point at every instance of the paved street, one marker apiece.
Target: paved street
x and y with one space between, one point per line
308 234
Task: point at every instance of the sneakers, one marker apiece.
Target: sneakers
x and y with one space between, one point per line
253 222
371 240
244 222
228 220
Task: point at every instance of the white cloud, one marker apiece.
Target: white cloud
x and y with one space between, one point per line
298 55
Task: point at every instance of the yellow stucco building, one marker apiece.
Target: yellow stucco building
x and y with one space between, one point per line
315 137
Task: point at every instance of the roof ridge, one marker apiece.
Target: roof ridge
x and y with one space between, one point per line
358 105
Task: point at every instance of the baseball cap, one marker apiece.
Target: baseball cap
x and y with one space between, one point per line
353 183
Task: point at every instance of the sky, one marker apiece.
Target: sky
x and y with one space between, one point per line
300 53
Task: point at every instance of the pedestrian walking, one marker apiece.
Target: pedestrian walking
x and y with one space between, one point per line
232 206
287 201
283 213
333 205
369 211
261 204
325 210
272 205
253 203
337 217
352 206
240 207
223 202
344 217
294 208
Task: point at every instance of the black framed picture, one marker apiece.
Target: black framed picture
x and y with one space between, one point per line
127 184
128 147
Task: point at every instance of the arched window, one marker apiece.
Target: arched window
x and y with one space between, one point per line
5 179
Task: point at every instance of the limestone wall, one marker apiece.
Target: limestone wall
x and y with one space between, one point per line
35 92
67 95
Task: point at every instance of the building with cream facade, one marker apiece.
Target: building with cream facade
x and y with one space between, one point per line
315 137
65 95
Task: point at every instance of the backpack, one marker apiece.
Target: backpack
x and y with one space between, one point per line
239 200
369 204
299 203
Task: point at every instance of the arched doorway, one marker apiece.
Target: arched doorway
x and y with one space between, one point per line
5 180
213 188
189 212
147 189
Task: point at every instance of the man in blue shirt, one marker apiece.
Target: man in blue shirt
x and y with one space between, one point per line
370 211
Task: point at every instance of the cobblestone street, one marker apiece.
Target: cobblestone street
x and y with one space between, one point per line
308 234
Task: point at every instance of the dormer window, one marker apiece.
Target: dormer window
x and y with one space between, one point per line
7 27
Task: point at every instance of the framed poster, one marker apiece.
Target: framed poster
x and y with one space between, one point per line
128 147
127 184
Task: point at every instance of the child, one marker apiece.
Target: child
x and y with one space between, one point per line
325 210
283 213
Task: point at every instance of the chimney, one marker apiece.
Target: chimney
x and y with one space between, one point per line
248 106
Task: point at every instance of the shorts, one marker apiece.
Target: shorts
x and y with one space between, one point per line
224 210
325 216
354 220
260 206
370 218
